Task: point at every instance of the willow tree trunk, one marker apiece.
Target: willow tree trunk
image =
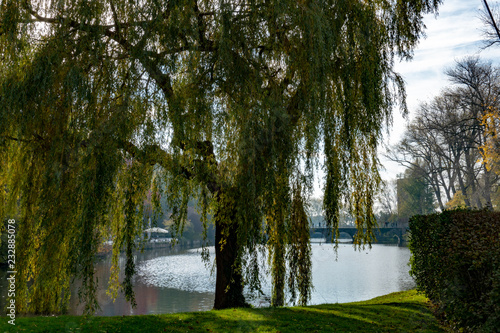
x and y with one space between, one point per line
229 279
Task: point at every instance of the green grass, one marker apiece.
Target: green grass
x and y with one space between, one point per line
398 312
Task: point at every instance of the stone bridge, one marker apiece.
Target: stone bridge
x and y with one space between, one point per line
383 235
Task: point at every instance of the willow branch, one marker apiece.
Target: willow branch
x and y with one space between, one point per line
200 168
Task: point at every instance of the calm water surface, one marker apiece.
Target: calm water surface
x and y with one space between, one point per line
180 281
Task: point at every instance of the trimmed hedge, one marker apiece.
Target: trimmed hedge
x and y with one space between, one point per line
456 263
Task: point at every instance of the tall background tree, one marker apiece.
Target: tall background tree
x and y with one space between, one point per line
227 101
490 150
490 17
446 140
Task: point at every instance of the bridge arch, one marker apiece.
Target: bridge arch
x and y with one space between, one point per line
345 235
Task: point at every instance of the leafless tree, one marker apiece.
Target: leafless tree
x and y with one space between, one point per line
445 137
490 16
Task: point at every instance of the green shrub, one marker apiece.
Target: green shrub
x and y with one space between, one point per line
456 262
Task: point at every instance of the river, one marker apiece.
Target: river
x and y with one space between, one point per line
180 281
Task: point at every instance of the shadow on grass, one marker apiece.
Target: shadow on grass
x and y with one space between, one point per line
389 317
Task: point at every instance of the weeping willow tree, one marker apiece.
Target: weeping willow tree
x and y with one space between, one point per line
234 102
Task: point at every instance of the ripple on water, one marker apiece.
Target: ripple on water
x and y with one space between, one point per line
185 271
188 272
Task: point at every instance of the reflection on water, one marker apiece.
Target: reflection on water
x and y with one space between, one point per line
358 275
184 271
151 299
179 281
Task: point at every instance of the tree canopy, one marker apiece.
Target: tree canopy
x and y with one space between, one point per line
415 195
234 102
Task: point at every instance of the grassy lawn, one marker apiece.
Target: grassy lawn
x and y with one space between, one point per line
397 312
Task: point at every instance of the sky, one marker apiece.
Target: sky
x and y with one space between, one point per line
452 35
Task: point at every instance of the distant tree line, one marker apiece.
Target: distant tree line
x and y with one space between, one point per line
193 228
